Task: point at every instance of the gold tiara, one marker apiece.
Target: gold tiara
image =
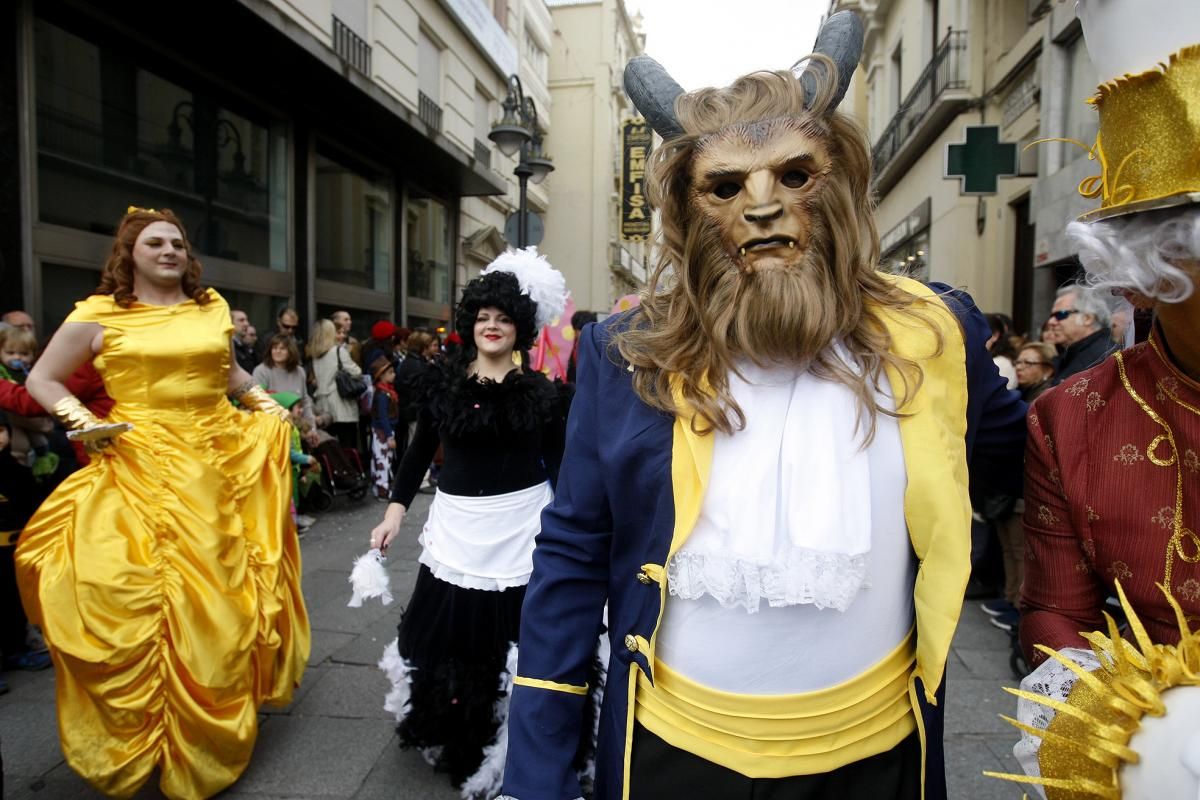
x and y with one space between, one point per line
136 209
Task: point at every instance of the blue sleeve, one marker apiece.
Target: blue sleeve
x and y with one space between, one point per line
995 413
379 414
564 602
299 457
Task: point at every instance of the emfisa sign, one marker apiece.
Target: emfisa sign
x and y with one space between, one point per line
635 149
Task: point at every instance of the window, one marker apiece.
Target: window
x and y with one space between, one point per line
430 253
537 57
1082 122
429 68
354 226
897 77
111 134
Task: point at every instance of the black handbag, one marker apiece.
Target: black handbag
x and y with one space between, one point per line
348 386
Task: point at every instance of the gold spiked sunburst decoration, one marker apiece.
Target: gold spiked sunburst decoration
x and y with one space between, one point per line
1087 743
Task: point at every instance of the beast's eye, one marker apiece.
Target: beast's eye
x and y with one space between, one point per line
726 190
795 178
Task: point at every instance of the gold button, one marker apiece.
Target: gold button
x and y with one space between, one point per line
645 579
631 643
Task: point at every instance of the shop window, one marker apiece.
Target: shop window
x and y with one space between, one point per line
1082 122
429 250
353 226
111 134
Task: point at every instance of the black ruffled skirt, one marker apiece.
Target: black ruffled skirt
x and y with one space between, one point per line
451 671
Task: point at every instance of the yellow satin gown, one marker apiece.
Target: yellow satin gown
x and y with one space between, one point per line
166 573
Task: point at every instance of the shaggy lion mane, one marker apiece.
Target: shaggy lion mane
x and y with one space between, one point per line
680 337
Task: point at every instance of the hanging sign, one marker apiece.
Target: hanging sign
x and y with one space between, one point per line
635 150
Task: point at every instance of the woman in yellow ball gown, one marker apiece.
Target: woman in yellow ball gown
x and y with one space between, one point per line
166 573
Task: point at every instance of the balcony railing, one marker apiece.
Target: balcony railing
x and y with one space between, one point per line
429 111
351 48
483 154
947 70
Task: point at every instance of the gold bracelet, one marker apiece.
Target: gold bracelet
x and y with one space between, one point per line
237 393
73 414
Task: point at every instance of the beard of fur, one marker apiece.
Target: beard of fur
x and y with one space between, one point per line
775 315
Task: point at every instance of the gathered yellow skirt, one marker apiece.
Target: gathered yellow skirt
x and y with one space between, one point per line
166 579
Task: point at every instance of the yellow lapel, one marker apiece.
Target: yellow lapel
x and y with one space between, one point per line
937 508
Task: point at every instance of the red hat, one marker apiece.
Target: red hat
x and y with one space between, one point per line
382 330
453 338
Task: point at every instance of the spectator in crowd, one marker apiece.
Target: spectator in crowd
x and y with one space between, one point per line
1081 316
19 319
1000 346
578 320
1035 368
420 344
243 351
251 337
17 487
1051 336
1122 320
28 442
280 371
385 425
400 344
288 323
328 358
380 343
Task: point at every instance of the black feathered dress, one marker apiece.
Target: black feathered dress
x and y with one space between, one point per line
502 443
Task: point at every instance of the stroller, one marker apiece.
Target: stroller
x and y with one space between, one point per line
342 473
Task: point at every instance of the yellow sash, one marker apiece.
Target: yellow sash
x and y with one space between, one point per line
777 736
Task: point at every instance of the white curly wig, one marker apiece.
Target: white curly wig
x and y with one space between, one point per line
1135 252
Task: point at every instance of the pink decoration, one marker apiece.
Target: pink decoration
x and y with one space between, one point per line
552 351
627 302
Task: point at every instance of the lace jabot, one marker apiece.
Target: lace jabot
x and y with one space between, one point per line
787 509
825 580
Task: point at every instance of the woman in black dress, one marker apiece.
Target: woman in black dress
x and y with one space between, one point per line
502 432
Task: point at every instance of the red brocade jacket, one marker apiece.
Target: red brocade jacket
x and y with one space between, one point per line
1112 492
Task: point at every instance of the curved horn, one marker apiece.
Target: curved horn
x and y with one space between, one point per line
653 93
841 38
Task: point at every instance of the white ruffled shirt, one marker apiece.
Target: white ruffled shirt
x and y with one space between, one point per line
799 572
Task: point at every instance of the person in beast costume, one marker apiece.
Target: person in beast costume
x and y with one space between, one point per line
765 476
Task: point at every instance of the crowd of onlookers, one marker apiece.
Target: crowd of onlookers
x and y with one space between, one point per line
1084 326
352 402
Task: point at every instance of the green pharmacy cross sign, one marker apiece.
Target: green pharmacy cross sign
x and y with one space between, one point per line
981 160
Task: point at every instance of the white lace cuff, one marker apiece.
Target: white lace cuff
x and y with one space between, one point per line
1051 680
826 580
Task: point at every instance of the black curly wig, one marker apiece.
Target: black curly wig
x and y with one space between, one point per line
498 290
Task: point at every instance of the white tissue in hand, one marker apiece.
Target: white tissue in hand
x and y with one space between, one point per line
369 579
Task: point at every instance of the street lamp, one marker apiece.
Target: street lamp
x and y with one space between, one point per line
517 131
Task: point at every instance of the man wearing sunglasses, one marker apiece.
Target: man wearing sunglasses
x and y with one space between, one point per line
1081 316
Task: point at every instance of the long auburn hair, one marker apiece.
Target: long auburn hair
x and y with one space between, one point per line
116 278
685 328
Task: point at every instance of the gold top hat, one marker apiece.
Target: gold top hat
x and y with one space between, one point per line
1148 146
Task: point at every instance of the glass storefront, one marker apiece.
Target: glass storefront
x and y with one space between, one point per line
353 226
111 134
430 249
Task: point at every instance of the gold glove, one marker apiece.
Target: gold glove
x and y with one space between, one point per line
84 426
254 398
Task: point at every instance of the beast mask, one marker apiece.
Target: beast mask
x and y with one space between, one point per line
768 243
